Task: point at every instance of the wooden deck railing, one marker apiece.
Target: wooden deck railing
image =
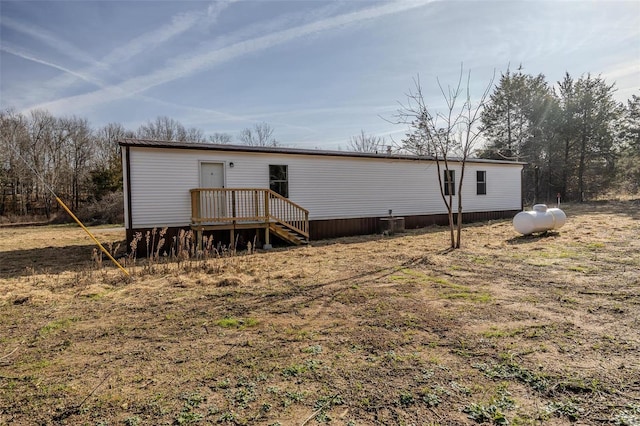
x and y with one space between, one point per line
217 206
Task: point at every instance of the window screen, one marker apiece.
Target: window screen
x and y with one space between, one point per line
481 179
449 182
279 179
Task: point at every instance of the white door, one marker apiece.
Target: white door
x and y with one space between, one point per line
212 203
211 175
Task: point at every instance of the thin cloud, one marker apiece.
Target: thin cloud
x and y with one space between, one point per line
197 63
199 114
21 54
146 42
626 75
313 113
624 69
61 46
179 24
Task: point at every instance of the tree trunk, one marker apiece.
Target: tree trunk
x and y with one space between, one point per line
459 218
76 201
458 227
509 142
581 165
536 179
14 196
451 224
565 168
3 203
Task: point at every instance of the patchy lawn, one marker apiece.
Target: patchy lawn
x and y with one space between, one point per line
354 331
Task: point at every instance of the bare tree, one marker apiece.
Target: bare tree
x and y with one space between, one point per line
107 150
193 134
79 141
366 143
41 127
106 172
168 129
447 136
162 128
260 135
220 138
14 139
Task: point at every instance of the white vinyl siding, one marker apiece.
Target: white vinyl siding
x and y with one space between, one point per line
330 187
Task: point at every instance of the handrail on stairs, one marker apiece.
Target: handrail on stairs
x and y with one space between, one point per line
229 205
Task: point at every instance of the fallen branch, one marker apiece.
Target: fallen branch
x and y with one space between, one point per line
9 354
607 293
76 408
315 413
319 410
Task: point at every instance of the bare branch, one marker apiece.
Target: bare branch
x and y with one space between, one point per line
366 143
440 134
260 135
220 138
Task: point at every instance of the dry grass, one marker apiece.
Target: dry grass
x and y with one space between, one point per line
46 250
362 331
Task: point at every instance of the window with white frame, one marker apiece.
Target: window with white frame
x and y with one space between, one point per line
481 182
449 182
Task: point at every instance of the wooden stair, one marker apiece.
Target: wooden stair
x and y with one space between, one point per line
245 208
287 234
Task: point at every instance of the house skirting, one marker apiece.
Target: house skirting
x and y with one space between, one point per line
318 229
333 228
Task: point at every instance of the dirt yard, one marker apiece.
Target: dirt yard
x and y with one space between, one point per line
356 331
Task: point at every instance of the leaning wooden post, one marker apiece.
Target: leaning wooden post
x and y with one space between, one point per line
73 216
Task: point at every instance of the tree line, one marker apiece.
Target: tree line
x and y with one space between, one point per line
576 142
41 155
576 139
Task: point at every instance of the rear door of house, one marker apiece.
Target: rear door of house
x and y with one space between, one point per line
212 203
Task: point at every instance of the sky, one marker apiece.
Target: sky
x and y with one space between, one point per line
318 72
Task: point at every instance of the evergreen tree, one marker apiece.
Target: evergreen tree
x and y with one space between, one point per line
594 115
519 124
563 152
628 168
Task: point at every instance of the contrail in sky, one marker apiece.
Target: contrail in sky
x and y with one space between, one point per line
209 59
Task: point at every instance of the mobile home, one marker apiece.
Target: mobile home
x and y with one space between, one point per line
299 195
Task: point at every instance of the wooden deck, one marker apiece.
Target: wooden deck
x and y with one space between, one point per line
248 208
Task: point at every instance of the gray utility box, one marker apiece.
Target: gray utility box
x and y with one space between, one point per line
391 225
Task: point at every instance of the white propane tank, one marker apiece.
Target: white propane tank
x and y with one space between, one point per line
539 219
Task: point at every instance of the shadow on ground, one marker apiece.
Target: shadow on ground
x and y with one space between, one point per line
47 260
55 260
525 239
630 208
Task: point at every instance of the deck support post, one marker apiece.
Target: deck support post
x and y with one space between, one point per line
199 238
267 245
232 242
228 209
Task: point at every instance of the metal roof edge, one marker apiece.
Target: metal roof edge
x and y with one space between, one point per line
152 143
